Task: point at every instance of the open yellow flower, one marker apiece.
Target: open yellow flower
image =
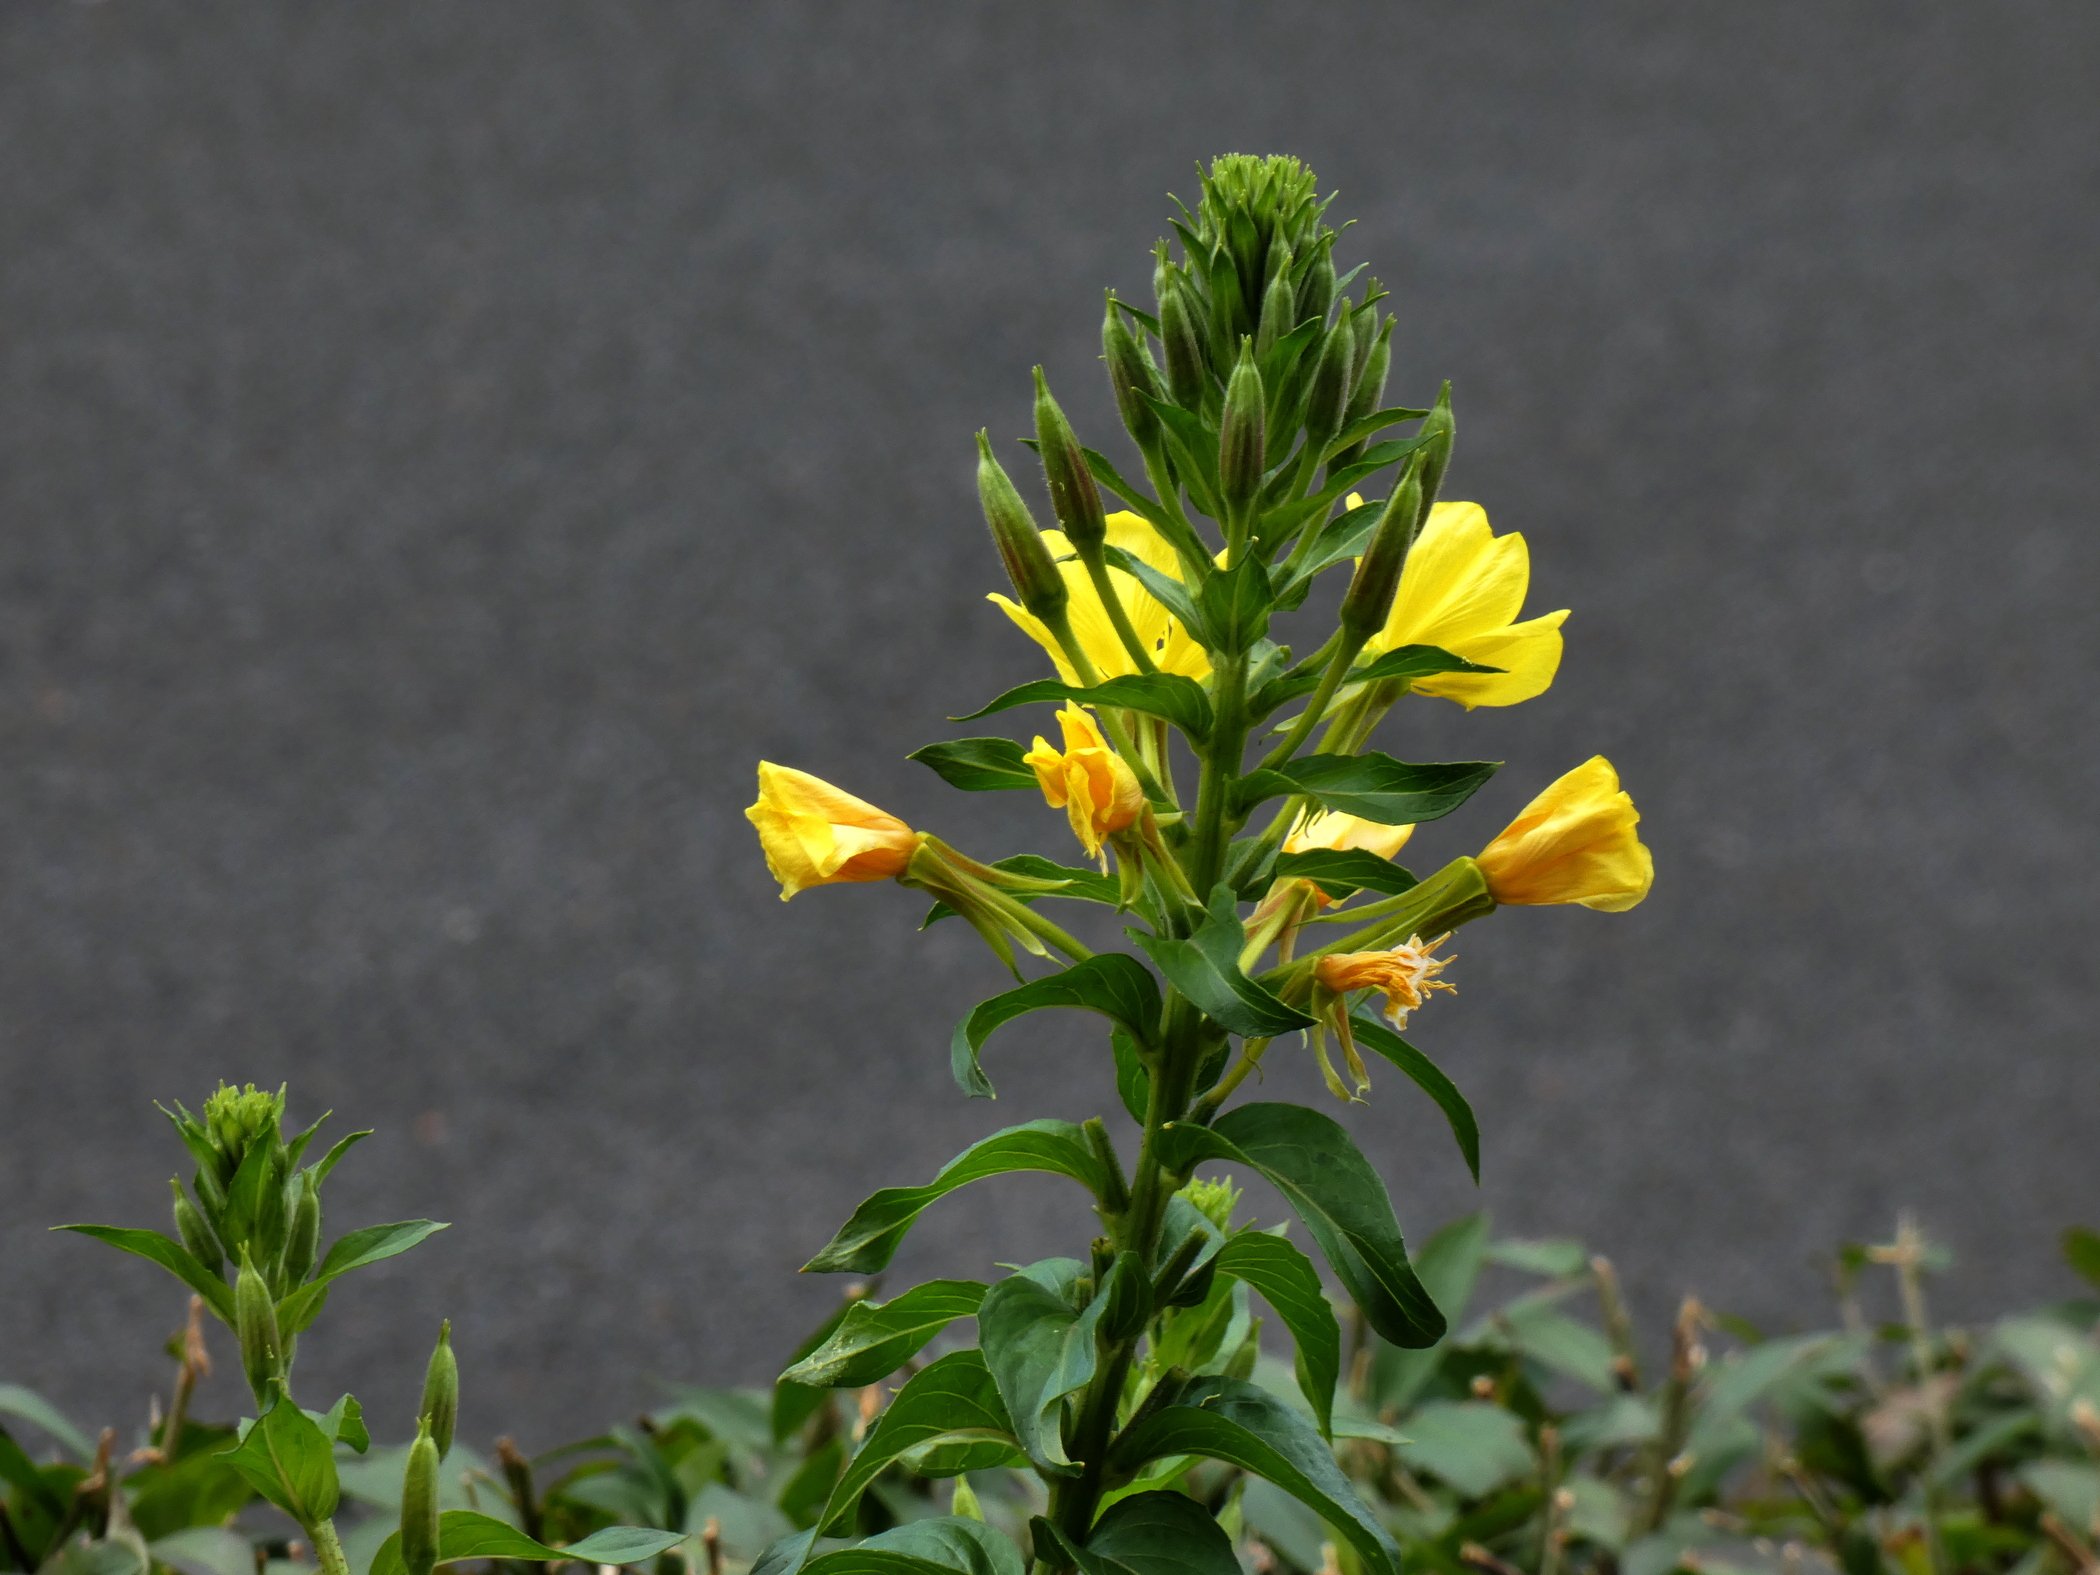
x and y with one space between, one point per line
1331 829
814 834
1575 842
1088 780
1462 589
1173 650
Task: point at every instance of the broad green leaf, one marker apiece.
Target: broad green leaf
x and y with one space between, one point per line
1341 871
1230 1420
286 1458
1234 604
977 765
1133 1082
115 1554
1039 1347
1205 967
354 1250
344 1423
170 1255
28 1406
1555 1258
1474 1446
952 1400
1180 700
874 1339
867 1241
2082 1252
1149 1534
464 1534
1428 1077
945 1543
1288 1282
1309 1159
205 1550
21 1473
1113 983
1372 786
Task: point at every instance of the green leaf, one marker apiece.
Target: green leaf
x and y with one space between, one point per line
1475 1447
952 1400
170 1255
28 1406
1180 700
874 1339
2082 1252
1344 536
1288 1282
1114 984
1230 1420
343 1145
1133 1082
947 1543
1149 1534
1079 885
286 1458
1371 425
353 1250
464 1534
1205 967
1372 787
1168 591
344 1423
1404 662
1040 1348
977 765
1428 1077
1172 530
867 1241
1309 1159
1341 871
1235 604
1448 1266
1195 449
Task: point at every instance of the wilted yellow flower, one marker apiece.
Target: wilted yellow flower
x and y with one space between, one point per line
1462 590
814 834
1171 646
1086 779
1330 828
1575 842
1404 975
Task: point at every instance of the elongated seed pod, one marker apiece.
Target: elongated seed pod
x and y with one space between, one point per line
195 1235
1242 440
255 1322
302 1238
419 1504
441 1391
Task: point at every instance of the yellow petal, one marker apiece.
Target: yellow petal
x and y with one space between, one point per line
815 834
1528 654
1171 647
1576 842
1328 828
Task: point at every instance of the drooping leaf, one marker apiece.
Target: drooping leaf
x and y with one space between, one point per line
1371 786
1178 699
289 1460
867 1241
1286 1279
1234 1421
1448 1266
1205 967
353 1250
1310 1159
1427 1076
464 1534
170 1255
1341 871
1112 983
1039 1345
29 1406
874 1339
952 1400
977 765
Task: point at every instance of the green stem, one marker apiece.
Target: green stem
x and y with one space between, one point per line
1025 917
328 1548
1330 680
1118 615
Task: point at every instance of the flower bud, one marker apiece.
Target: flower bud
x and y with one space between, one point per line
1187 367
815 834
302 1239
440 1407
1131 376
1576 842
1241 434
419 1504
1074 498
1328 400
1279 311
195 1235
1316 290
1370 594
1440 432
1377 360
1028 563
255 1323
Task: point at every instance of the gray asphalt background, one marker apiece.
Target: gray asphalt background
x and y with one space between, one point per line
444 445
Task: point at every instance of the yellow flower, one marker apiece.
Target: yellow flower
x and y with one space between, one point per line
1405 975
1171 646
1462 588
1086 779
1575 842
1331 829
814 834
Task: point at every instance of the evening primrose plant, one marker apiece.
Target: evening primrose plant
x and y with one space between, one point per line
1233 815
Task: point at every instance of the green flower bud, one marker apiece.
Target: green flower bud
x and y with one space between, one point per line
440 1407
1377 359
255 1323
1188 369
302 1240
1328 400
1035 578
1214 1200
190 1229
963 1504
1131 376
419 1504
1279 312
1370 594
1316 289
1441 433
237 1118
1074 498
1241 434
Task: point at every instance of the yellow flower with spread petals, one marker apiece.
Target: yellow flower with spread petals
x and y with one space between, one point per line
814 834
1575 842
1172 648
1462 589
1331 829
1088 780
1405 975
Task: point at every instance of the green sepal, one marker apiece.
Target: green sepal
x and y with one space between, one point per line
1180 700
1430 1078
873 1339
977 765
867 1241
1037 1328
1073 885
1371 786
1205 967
1340 871
1286 1279
1113 983
287 1458
463 1534
949 1401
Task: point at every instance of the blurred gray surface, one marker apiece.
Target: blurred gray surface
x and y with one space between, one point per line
443 446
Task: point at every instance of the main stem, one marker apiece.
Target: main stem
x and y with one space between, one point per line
1075 1500
328 1548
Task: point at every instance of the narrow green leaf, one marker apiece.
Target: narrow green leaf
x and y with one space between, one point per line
284 1456
353 1250
1371 786
28 1406
1179 699
1168 591
1430 1078
867 1241
977 765
1039 1347
465 1534
952 1400
1133 1082
874 1339
1341 871
1370 426
1171 530
1205 967
170 1255
342 1146
1286 1279
946 1544
1114 984
1310 1159
1079 885
1230 1420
